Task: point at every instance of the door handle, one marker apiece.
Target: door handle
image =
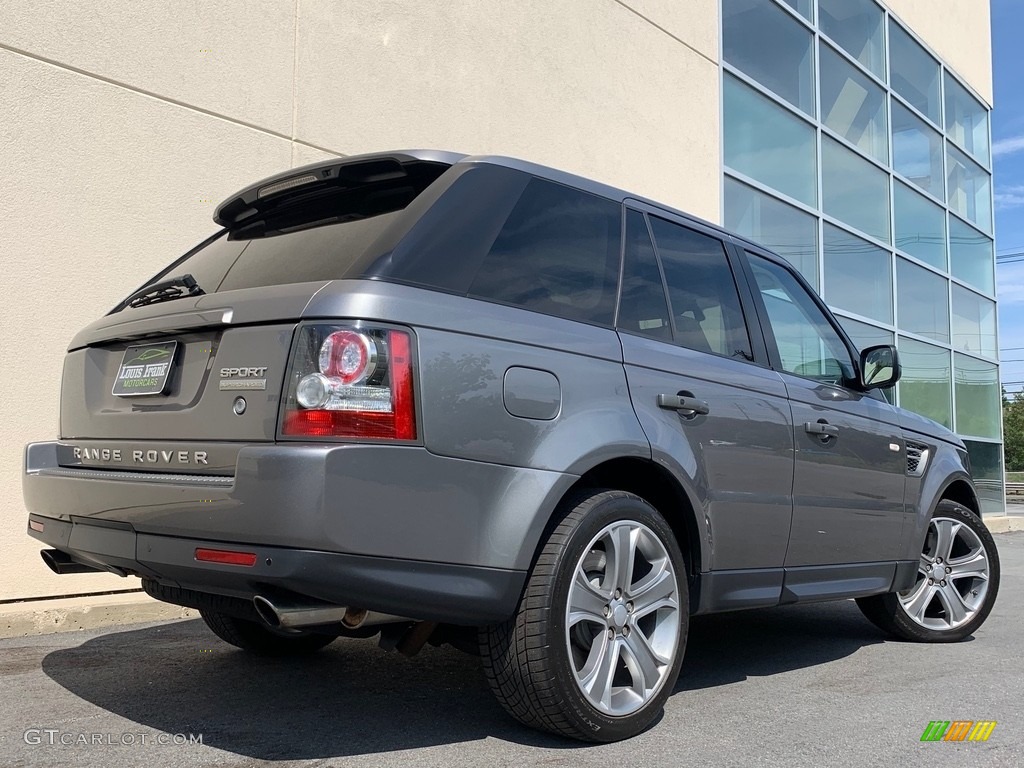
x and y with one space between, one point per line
685 403
821 428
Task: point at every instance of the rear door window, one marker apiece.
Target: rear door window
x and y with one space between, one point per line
704 300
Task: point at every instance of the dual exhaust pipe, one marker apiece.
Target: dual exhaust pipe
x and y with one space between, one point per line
298 613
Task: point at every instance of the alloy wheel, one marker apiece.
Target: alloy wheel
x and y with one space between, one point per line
952 578
622 618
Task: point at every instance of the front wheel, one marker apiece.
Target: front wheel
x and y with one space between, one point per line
596 645
956 587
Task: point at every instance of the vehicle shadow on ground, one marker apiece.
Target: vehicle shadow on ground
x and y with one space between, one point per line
730 647
353 699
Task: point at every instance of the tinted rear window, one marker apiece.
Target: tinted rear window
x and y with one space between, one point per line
558 253
502 235
326 234
321 253
484 231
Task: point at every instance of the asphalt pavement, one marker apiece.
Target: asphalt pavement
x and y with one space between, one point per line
797 686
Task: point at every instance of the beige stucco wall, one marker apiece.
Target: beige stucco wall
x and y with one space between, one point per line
959 32
122 124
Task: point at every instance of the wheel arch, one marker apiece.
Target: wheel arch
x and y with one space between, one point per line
946 478
956 488
663 491
962 492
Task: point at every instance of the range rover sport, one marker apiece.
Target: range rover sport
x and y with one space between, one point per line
475 400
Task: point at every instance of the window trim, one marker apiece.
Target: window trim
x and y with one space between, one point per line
622 276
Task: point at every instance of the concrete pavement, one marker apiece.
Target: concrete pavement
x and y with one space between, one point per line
797 686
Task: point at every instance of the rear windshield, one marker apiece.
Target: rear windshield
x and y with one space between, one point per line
328 234
485 231
321 253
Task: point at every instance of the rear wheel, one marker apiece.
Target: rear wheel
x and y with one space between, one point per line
596 645
258 638
957 582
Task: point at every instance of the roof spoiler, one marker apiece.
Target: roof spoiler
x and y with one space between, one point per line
341 172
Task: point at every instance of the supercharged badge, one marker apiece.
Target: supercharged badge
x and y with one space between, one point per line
234 379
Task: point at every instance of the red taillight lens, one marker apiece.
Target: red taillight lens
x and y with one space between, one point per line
225 556
351 383
401 386
348 356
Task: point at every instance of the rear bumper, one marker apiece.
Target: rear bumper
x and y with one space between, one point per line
393 529
418 590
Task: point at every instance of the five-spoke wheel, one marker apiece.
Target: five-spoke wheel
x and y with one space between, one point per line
956 586
953 577
597 643
622 618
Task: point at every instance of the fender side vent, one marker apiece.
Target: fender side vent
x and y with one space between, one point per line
917 458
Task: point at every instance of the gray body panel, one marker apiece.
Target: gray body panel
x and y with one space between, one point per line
736 462
336 498
196 407
512 408
945 469
848 494
215 310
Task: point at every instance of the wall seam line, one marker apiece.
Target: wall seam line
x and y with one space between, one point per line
159 97
295 78
662 29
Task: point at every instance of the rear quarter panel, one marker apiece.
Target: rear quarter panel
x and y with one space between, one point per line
465 348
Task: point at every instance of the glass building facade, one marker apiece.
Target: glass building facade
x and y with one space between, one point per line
853 151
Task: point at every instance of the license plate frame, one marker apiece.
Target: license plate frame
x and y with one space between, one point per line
145 370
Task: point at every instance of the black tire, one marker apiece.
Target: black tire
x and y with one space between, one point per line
257 638
888 613
528 659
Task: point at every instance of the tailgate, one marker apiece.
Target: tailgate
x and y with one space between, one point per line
225 346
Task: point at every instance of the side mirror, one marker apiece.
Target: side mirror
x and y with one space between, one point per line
879 367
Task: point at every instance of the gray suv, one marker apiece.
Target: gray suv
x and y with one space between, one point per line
472 400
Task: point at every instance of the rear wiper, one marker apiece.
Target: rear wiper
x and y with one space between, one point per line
165 290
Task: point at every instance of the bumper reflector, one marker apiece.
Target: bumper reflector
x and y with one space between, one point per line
225 556
35 525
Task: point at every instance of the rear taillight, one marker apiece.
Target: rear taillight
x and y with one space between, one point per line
349 381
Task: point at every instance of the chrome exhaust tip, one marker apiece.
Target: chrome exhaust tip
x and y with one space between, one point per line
297 612
291 614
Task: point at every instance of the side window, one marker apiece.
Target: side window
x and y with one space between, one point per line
808 344
557 253
702 293
642 308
